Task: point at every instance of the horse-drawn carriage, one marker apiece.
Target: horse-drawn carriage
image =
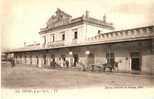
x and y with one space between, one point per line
103 67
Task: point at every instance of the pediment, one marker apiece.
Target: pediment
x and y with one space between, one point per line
60 18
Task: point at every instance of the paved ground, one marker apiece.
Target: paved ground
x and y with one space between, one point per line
23 76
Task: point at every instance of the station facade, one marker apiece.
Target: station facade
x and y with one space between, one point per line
86 40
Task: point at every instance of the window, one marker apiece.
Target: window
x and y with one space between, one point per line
99 32
63 36
75 35
50 38
53 38
44 38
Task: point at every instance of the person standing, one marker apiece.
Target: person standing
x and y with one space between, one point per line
12 62
67 63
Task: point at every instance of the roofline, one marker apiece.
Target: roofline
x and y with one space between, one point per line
101 42
78 20
87 44
130 29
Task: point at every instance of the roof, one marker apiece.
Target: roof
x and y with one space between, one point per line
93 42
62 19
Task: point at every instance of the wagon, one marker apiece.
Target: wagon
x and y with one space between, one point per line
102 67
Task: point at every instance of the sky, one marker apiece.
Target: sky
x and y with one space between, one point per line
21 20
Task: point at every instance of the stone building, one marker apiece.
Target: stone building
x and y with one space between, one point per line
87 41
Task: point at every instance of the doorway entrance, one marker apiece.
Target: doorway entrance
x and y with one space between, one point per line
76 59
110 58
30 59
37 60
91 59
52 62
135 61
44 60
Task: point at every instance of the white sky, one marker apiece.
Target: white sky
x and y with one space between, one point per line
22 19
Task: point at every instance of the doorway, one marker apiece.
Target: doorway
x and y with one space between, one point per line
52 62
44 59
25 59
110 58
63 57
76 59
91 59
135 61
37 60
30 59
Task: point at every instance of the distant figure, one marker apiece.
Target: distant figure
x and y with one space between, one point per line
82 65
115 67
53 64
67 63
12 62
61 62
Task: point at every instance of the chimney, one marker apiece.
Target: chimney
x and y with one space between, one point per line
34 42
87 13
24 43
104 18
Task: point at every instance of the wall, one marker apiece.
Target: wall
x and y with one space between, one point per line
152 56
69 35
121 51
93 30
84 32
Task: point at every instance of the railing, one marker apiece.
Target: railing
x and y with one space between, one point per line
115 36
62 43
56 43
138 33
74 41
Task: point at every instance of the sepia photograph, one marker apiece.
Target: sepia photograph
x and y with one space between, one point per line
48 46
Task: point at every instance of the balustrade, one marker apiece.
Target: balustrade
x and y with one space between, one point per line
125 34
56 43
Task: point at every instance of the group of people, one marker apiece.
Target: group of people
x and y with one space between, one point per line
82 65
66 63
61 63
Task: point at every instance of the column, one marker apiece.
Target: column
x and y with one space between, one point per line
40 62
